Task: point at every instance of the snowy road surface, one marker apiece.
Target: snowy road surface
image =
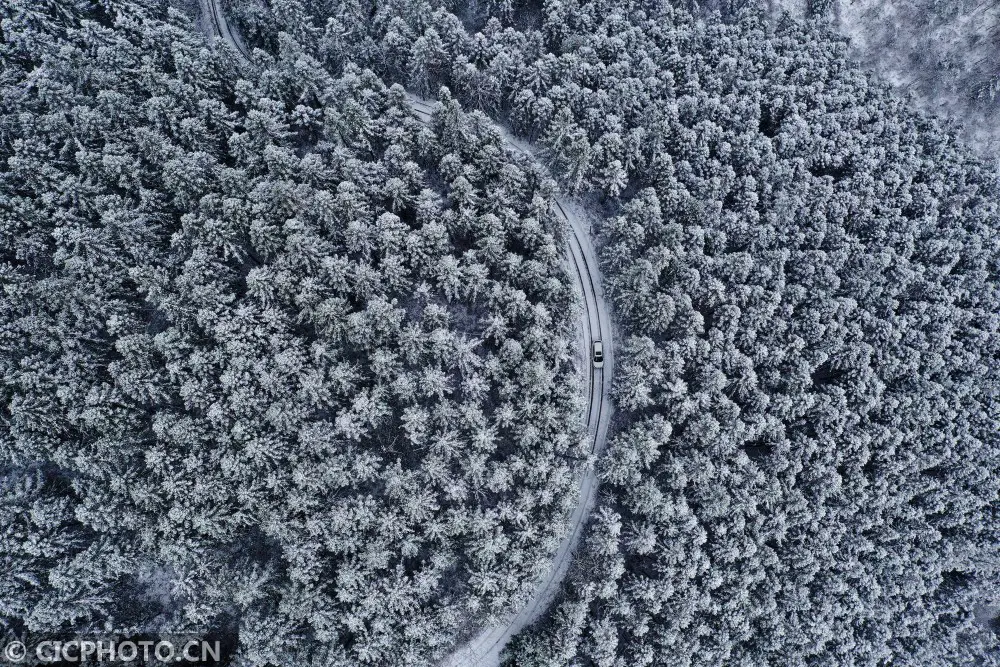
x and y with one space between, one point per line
216 27
484 649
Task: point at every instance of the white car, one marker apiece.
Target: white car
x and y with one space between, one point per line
598 354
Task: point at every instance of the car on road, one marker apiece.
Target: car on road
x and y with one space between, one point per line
598 354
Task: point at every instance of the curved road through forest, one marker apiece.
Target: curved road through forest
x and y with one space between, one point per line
484 649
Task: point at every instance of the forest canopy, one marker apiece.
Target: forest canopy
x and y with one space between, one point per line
805 271
277 360
316 359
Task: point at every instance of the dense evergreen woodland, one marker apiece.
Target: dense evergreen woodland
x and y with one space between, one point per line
279 361
276 360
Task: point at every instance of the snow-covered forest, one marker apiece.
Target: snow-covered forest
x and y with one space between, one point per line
280 362
269 344
944 55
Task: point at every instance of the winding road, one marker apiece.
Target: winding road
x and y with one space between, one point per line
484 649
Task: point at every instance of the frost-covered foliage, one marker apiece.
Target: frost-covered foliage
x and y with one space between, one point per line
808 474
253 21
944 55
274 358
947 54
805 470
311 358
